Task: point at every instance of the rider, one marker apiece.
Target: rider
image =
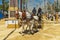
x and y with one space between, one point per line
34 11
24 14
39 13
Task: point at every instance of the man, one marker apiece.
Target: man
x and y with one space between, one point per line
24 15
20 14
34 11
39 13
28 15
17 14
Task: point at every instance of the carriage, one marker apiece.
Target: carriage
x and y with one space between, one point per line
29 24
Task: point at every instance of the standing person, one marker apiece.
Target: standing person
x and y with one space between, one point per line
17 14
34 11
56 16
51 17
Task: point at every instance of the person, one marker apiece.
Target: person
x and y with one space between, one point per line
17 15
20 14
52 17
28 15
23 21
56 16
20 18
34 11
24 15
5 14
39 13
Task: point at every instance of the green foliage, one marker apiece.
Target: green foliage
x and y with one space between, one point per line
57 10
0 6
54 7
5 5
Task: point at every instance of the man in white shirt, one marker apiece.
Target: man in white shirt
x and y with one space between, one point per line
20 14
28 15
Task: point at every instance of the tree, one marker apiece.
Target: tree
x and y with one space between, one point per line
3 5
0 6
6 5
56 6
23 2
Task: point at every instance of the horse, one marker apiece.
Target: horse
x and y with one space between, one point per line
29 24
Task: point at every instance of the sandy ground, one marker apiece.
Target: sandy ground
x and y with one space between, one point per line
49 32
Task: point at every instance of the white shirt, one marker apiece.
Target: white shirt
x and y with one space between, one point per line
20 14
28 15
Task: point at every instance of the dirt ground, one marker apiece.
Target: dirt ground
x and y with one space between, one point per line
49 32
